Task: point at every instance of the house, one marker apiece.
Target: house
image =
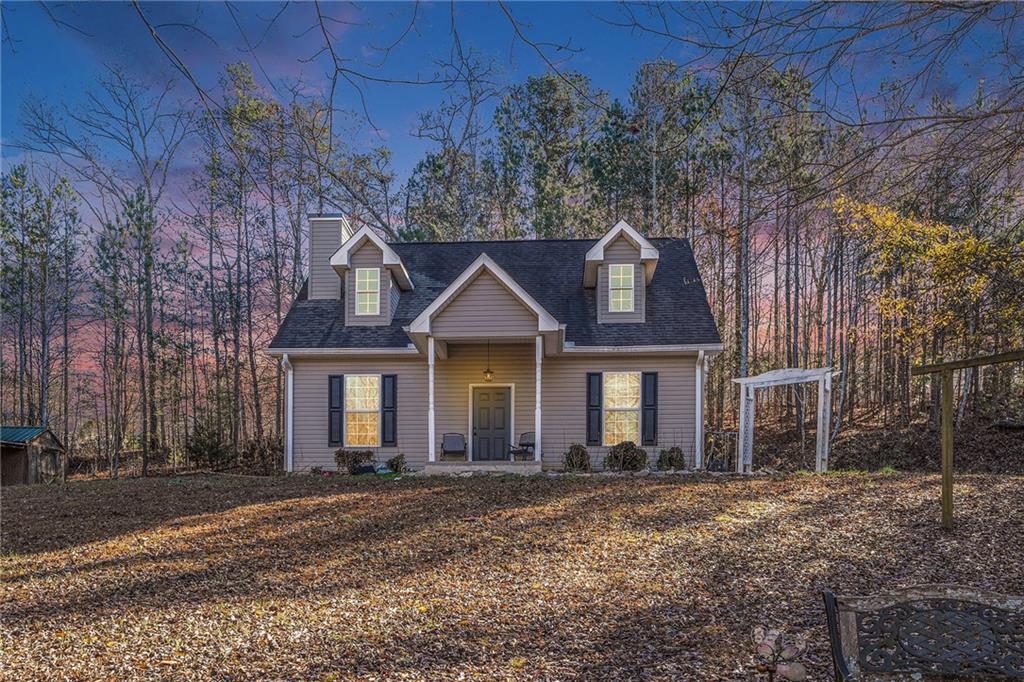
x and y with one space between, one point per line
29 454
389 346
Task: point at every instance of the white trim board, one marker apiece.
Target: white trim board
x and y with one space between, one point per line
408 350
511 417
340 259
710 348
783 377
595 256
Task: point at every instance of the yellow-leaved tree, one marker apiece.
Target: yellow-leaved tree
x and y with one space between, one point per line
936 277
943 291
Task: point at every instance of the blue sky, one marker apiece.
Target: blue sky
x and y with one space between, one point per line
58 55
57 63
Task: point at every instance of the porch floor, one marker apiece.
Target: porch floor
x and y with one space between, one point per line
487 466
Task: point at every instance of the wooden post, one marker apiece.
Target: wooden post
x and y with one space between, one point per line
745 447
947 449
824 422
947 368
742 428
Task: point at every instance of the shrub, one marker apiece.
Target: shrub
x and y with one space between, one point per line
672 458
397 463
316 471
263 456
352 460
206 449
625 456
577 458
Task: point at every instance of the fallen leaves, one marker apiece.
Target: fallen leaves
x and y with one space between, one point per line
480 578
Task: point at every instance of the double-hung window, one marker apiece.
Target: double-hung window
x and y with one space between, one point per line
620 288
621 407
367 291
362 410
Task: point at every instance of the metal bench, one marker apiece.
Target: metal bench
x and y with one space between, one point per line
927 632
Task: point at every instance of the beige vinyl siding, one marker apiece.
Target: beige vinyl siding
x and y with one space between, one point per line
310 418
367 256
563 395
324 240
512 363
564 402
484 308
621 251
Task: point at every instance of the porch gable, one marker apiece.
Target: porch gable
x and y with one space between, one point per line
485 308
484 300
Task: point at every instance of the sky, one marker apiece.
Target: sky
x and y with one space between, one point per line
56 56
57 51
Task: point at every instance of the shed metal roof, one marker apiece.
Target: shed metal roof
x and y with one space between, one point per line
19 435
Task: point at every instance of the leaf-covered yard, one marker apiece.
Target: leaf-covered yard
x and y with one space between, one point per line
486 578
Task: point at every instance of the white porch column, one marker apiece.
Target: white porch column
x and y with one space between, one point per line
289 413
431 456
824 422
698 432
536 410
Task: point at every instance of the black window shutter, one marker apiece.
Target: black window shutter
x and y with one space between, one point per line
593 408
649 403
389 409
335 409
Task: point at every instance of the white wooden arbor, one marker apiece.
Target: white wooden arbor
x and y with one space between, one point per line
782 377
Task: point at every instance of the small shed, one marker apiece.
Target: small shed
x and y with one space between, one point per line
30 454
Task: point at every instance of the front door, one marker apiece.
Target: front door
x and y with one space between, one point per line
492 411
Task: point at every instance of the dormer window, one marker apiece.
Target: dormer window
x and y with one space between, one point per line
620 288
367 291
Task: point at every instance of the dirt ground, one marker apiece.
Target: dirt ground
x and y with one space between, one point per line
978 448
214 577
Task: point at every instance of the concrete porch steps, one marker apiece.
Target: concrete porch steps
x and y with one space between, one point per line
494 466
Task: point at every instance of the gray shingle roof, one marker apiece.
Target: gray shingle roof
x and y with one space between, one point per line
550 270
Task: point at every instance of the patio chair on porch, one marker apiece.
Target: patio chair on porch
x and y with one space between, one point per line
524 450
453 446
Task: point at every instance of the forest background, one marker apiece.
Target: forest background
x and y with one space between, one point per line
849 177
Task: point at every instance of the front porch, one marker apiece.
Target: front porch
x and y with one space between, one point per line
483 402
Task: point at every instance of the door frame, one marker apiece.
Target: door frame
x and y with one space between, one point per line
511 418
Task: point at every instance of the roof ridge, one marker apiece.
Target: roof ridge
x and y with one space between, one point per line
498 241
525 241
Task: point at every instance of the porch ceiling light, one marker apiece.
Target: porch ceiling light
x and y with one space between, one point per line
488 374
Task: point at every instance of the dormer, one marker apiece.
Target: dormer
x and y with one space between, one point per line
373 277
620 265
